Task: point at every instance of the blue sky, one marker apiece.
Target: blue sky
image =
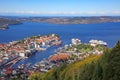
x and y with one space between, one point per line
60 7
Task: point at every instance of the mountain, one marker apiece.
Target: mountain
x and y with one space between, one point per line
100 67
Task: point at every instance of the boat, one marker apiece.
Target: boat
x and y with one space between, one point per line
59 43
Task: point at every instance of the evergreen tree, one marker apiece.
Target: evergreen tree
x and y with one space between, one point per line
114 63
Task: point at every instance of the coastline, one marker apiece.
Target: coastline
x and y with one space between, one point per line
43 70
5 22
26 47
7 26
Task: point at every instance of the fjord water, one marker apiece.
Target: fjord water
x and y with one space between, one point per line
108 32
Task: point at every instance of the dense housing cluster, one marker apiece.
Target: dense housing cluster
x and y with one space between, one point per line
12 52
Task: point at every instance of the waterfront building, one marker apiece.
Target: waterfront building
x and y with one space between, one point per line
97 42
76 41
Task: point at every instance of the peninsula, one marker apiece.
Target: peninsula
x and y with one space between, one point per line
12 52
6 21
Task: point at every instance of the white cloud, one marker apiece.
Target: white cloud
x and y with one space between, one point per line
116 12
63 13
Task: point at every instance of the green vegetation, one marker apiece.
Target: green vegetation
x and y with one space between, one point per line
85 48
81 48
100 67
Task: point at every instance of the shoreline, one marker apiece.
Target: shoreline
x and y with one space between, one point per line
27 47
7 26
5 22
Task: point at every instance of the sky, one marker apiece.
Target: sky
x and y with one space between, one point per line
60 7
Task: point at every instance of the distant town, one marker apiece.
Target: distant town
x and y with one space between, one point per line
6 21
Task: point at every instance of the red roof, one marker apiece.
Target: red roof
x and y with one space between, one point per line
8 71
60 56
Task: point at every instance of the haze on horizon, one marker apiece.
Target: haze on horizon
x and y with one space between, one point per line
60 7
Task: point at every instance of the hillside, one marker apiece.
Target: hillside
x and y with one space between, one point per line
102 67
4 22
72 20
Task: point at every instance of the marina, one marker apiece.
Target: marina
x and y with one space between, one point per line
64 55
41 57
14 51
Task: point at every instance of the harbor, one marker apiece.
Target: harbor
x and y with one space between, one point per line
66 54
48 57
15 51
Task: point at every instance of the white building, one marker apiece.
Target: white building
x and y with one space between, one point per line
22 54
97 42
75 41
